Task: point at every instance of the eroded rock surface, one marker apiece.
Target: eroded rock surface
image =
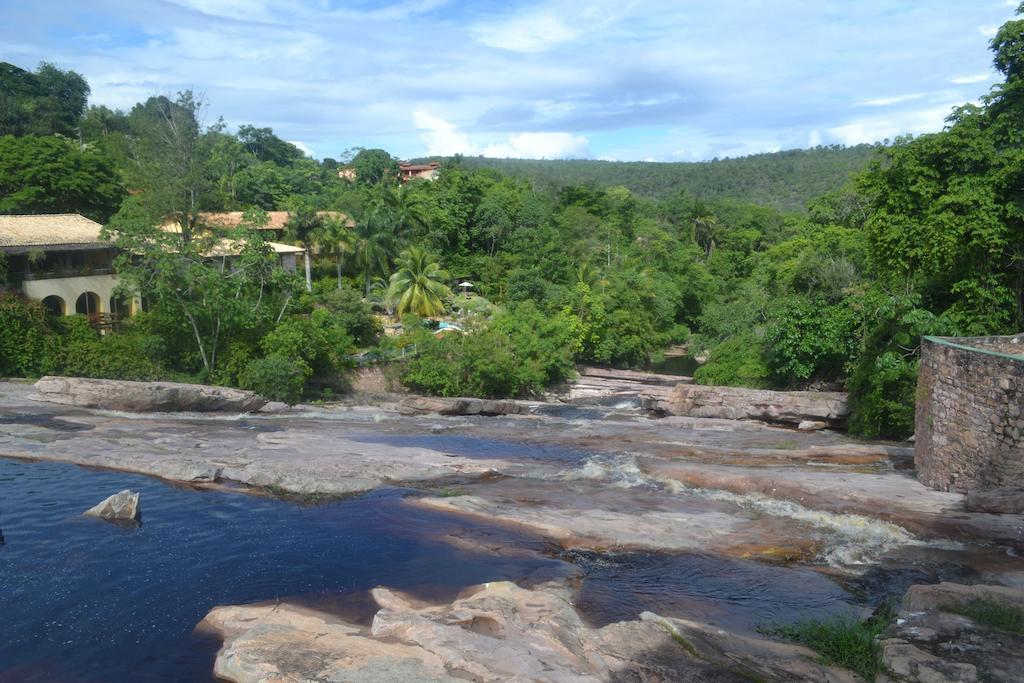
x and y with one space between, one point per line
930 644
120 507
418 405
792 407
112 394
999 501
499 632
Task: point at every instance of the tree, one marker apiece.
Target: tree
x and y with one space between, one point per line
216 285
374 166
263 145
54 175
336 238
171 158
41 103
418 285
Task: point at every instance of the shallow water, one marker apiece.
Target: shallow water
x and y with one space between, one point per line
84 600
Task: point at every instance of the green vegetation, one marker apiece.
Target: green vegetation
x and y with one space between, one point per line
804 269
988 613
783 180
844 642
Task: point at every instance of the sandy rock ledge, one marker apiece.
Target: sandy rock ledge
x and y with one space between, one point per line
498 632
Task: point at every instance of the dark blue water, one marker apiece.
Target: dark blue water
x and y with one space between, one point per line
84 600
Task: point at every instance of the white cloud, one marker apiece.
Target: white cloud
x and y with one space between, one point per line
886 101
988 31
877 128
442 138
540 146
529 33
305 148
976 78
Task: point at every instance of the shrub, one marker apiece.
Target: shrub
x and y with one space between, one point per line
808 338
120 355
29 341
521 352
350 312
845 642
317 339
736 362
277 377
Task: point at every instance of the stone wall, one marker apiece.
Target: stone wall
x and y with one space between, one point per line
970 413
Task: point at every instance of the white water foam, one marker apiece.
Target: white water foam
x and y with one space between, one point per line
854 541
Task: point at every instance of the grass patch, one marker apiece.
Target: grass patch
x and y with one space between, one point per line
843 642
992 614
451 493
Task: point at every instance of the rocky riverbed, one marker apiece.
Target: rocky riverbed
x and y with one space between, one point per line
606 481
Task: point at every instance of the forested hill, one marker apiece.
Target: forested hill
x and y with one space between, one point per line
784 180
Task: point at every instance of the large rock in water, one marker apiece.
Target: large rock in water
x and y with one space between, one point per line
418 405
120 507
500 632
141 397
731 403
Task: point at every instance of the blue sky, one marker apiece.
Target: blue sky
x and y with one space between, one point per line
618 79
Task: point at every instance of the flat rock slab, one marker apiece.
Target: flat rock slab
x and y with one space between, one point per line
111 394
999 501
587 515
893 497
120 507
497 632
793 407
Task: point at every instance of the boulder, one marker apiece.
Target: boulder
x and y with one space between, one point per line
145 396
791 407
421 405
1000 501
811 426
496 632
120 507
927 644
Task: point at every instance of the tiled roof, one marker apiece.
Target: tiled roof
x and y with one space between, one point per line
49 230
276 219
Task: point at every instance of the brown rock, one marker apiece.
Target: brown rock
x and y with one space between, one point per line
792 407
461 406
145 396
499 633
1000 501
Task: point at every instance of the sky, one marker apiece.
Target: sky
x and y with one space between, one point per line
654 80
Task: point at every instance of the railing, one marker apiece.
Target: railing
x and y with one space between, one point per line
65 273
386 356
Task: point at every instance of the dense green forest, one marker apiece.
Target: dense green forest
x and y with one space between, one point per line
785 180
571 261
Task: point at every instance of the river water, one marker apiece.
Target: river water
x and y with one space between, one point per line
85 600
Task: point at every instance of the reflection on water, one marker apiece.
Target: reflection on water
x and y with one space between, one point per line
82 599
734 594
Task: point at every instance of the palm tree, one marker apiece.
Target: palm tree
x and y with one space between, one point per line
373 244
418 285
336 238
380 296
402 210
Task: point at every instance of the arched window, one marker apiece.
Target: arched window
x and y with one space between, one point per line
54 305
88 304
